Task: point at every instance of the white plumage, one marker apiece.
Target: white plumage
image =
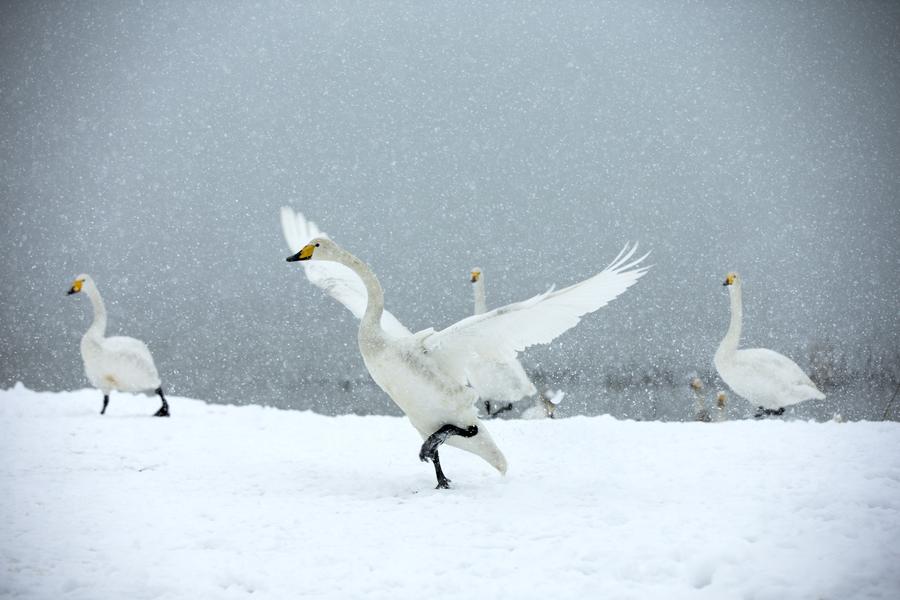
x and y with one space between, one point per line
116 363
765 378
425 373
497 378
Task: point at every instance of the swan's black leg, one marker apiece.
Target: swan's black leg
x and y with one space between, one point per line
768 412
105 402
487 408
443 482
502 409
429 450
164 409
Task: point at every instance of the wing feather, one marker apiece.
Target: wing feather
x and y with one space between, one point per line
510 329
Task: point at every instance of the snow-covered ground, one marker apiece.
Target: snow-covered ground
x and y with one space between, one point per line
251 502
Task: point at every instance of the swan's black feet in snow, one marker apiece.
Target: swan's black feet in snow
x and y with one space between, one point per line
429 450
105 403
768 412
502 409
164 409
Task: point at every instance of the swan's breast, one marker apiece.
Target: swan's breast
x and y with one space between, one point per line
419 387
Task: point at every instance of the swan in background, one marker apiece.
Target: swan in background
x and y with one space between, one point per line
545 405
721 401
116 363
498 379
700 411
425 373
765 378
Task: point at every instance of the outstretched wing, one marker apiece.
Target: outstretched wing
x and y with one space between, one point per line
338 281
510 329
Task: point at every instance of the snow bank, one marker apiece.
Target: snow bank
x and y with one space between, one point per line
239 502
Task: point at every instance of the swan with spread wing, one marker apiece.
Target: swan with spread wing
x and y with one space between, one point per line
425 373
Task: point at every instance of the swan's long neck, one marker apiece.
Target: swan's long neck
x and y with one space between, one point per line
478 290
733 336
98 327
371 320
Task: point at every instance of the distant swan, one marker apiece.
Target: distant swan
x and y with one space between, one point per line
116 363
425 373
499 379
544 405
765 378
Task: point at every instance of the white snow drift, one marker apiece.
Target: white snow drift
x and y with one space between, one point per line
249 502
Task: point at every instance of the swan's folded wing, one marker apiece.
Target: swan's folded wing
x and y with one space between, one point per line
538 320
338 281
768 363
130 354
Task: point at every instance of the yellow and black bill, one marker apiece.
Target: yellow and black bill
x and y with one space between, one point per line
305 253
76 287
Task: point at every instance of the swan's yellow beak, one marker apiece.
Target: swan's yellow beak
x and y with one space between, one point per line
729 279
305 253
76 287
475 276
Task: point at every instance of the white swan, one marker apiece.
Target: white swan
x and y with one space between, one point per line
765 378
116 363
425 373
498 379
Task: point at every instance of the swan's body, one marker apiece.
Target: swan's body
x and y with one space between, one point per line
118 363
426 374
499 380
767 379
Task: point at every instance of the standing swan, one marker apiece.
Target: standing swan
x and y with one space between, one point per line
768 379
500 379
116 363
425 373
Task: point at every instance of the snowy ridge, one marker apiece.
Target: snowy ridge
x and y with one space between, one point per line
251 502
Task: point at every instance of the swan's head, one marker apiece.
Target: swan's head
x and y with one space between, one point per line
319 248
732 279
476 274
78 284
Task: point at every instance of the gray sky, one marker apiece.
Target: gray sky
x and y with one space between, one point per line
152 145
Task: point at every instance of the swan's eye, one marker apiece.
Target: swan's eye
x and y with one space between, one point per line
317 244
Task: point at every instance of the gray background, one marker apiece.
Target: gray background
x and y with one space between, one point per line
152 144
